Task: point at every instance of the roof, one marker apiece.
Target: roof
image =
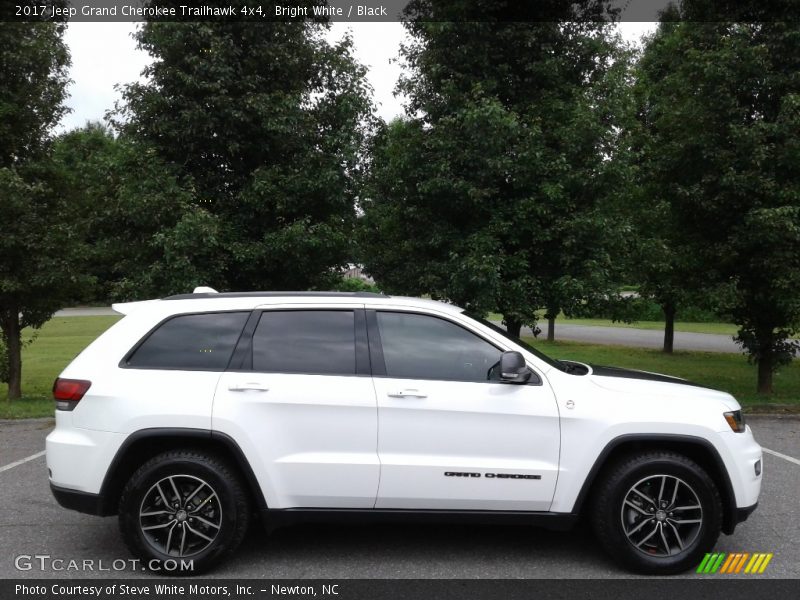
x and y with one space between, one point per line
206 299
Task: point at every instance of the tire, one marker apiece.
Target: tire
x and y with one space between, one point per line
630 527
207 525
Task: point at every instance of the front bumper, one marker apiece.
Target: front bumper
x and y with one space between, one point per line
740 453
742 513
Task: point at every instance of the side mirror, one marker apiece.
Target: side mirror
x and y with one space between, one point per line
513 368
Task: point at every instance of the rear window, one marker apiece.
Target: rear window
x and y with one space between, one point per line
200 342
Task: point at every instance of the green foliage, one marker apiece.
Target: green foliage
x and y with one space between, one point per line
634 309
257 131
494 191
42 252
353 284
41 243
723 103
667 268
147 235
33 79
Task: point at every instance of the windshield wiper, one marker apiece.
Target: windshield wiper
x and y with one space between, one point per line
568 366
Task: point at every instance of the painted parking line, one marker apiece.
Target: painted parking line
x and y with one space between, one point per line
791 459
22 461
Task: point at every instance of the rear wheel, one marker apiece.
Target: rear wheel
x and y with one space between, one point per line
185 510
657 513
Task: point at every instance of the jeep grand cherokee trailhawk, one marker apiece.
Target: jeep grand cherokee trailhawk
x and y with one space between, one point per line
195 412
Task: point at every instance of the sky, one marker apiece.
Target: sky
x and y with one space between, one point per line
104 55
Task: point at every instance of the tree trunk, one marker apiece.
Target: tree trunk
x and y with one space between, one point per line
11 334
766 359
764 376
551 327
513 327
669 327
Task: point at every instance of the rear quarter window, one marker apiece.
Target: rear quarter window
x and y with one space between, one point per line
197 342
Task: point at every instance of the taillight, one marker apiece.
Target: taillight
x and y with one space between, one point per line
68 392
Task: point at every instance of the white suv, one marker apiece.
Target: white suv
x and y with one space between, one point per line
196 412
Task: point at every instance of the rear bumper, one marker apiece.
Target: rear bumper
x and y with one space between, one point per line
85 502
78 459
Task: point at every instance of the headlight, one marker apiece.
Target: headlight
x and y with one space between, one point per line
735 419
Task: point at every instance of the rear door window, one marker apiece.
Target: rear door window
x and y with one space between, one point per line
198 342
305 341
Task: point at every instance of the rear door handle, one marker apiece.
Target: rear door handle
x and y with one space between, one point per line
248 387
407 394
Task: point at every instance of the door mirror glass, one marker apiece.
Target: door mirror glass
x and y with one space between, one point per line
513 368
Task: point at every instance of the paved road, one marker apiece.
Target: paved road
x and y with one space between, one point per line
87 311
642 338
616 336
32 523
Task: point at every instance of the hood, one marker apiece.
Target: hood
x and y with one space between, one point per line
603 371
655 384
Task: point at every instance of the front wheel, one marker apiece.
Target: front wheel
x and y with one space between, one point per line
657 513
183 511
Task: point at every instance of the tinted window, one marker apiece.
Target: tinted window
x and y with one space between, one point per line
196 342
422 347
305 341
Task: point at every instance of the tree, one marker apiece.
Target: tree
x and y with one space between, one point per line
490 192
146 235
33 79
663 264
724 149
426 228
40 245
42 250
262 125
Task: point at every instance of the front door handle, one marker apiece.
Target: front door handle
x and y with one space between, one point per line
407 394
248 387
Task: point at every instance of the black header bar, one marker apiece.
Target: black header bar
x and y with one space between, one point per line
355 11
708 588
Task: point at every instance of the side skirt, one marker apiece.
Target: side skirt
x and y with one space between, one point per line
275 518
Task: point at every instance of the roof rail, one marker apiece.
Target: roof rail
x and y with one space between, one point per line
213 294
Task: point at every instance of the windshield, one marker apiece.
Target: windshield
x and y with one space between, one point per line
494 327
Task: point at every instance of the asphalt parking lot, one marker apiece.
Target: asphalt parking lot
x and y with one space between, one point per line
31 523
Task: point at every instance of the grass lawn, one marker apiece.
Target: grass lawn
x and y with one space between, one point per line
62 338
59 341
728 372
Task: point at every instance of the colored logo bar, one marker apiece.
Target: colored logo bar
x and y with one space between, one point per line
735 562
